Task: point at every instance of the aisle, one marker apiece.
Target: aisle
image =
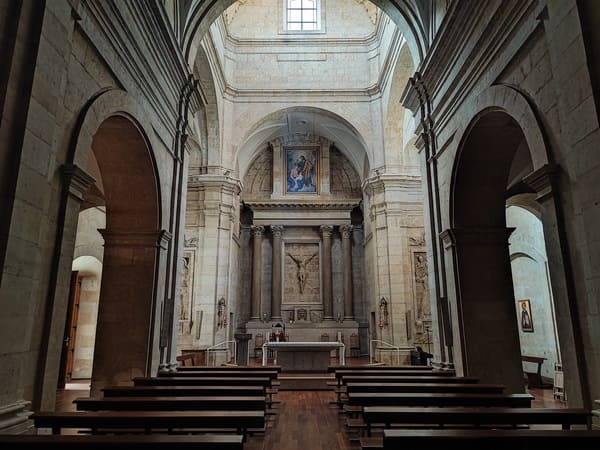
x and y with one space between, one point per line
305 420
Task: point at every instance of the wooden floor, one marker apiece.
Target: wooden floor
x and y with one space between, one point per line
305 420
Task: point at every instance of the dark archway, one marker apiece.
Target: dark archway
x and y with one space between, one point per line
127 296
493 156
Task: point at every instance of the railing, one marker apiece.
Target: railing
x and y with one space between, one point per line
387 345
218 347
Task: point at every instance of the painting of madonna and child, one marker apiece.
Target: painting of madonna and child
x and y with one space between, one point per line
301 170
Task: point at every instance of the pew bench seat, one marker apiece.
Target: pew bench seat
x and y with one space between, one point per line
518 439
150 421
120 442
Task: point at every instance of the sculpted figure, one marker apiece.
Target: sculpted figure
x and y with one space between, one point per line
301 264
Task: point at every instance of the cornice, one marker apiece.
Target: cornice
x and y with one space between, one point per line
203 181
366 94
382 182
304 205
144 50
465 48
235 43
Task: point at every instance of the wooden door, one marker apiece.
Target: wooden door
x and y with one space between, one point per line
70 334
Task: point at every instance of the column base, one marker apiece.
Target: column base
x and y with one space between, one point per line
14 418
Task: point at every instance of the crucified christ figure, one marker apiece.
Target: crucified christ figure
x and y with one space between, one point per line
301 263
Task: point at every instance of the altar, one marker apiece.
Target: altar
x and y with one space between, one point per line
303 356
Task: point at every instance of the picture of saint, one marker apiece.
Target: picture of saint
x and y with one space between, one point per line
525 315
301 170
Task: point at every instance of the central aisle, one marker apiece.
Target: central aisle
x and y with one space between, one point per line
305 420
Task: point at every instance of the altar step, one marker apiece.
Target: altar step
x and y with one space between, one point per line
305 382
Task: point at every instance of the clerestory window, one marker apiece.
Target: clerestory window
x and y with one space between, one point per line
303 15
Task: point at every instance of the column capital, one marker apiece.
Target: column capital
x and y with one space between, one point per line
118 238
475 236
257 230
77 180
542 181
326 230
346 231
277 230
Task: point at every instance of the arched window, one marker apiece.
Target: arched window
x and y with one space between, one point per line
302 15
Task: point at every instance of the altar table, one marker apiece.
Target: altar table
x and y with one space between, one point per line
303 356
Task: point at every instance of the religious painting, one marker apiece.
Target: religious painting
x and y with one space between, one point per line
301 169
525 317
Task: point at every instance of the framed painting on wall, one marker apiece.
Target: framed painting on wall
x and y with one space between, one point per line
302 170
525 315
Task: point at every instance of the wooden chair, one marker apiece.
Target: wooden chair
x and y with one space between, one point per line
354 346
259 340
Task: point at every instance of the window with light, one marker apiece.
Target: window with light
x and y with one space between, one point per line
303 15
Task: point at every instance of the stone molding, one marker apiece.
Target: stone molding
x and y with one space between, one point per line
368 92
122 49
138 239
76 180
542 181
452 237
304 205
226 183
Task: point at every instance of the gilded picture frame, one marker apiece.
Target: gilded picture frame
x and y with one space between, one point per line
301 170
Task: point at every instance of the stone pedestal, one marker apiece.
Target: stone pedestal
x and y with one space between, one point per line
242 351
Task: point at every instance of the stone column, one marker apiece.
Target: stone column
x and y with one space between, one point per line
256 271
277 231
346 231
326 231
128 272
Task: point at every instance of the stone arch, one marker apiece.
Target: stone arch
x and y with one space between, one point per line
269 127
484 297
112 130
503 122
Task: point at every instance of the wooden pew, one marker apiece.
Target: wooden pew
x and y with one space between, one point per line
232 368
422 379
438 399
181 391
150 421
272 374
171 403
426 387
339 374
120 442
534 379
492 439
475 416
202 381
332 369
345 379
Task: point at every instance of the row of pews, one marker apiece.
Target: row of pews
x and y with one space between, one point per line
192 408
390 407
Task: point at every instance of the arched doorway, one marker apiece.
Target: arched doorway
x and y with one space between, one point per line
493 157
126 311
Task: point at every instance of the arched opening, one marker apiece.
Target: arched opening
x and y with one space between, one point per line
493 157
127 293
538 333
